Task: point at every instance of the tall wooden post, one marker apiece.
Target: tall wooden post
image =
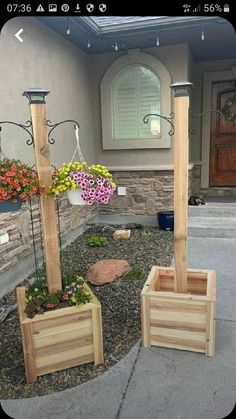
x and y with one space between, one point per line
47 205
181 158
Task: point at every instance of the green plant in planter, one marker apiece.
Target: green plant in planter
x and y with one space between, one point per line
39 300
97 241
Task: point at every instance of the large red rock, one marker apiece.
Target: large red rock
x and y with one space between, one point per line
107 270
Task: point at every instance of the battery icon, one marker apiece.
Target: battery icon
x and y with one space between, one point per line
226 8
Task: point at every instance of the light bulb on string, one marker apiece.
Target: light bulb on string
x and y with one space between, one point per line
68 27
203 34
115 46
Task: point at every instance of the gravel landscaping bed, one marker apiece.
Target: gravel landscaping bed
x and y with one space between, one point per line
120 302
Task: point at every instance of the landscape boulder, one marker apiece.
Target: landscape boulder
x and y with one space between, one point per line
107 270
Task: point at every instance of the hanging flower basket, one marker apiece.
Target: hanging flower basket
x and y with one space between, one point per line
94 183
9 205
18 182
75 197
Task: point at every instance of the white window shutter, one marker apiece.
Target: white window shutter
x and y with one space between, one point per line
149 101
135 93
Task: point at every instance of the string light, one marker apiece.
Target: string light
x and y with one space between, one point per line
157 41
203 34
68 27
115 46
88 44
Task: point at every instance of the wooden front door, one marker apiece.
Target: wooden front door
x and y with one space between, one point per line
223 136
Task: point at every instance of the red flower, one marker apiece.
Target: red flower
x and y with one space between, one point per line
17 180
23 196
65 297
50 306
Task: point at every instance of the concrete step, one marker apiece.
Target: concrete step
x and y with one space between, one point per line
213 210
221 227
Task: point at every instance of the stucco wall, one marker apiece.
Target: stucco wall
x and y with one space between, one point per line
175 58
47 60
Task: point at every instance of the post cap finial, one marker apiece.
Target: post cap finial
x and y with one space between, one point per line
36 95
181 88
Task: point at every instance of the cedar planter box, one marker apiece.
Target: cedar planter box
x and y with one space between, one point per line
180 321
60 338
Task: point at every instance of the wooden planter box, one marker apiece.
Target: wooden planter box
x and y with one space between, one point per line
61 338
180 321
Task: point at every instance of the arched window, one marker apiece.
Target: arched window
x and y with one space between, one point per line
135 93
136 84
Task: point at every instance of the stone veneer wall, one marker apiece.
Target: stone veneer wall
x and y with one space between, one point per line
18 226
147 192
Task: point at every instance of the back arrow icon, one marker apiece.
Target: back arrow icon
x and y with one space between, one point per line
17 35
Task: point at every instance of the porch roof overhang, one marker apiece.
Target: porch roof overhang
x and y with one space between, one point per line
132 32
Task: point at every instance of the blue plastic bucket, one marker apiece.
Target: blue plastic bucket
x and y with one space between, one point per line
166 220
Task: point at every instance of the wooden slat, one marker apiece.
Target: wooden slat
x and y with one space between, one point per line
151 280
201 327
196 273
196 281
210 347
177 296
97 336
47 337
29 353
178 316
63 346
145 317
185 299
211 285
20 293
61 357
176 343
184 335
67 312
184 307
181 155
194 287
47 205
65 364
63 322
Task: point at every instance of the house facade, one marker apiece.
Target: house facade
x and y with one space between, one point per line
108 73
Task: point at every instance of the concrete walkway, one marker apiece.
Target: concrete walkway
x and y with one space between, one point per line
159 383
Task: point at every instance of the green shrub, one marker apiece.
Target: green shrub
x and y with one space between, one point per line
145 234
134 275
97 241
